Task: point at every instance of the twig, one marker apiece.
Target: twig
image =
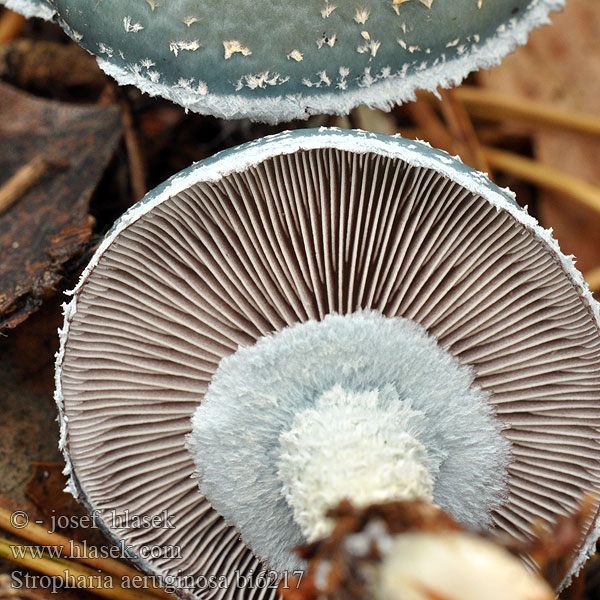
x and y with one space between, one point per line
487 104
494 135
39 535
456 138
431 126
593 279
69 573
24 179
460 126
137 167
584 193
11 25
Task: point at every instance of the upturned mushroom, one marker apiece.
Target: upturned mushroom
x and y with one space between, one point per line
323 315
277 61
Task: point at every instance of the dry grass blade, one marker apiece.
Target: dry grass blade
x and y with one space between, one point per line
462 129
487 104
137 168
584 193
456 136
430 127
38 535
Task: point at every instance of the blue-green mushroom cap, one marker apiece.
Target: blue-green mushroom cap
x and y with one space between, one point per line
279 60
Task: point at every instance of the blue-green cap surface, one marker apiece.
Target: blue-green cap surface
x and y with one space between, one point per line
279 60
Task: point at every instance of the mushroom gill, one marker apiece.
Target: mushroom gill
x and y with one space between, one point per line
301 230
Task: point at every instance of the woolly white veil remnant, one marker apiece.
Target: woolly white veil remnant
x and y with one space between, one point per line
251 471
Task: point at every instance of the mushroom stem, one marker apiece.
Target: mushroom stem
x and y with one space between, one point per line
451 565
349 447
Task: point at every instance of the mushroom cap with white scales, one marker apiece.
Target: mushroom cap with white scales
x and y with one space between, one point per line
275 61
316 306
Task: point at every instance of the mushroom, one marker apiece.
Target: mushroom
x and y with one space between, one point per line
293 318
30 8
279 61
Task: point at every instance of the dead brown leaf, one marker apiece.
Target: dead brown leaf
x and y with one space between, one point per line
46 66
49 224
